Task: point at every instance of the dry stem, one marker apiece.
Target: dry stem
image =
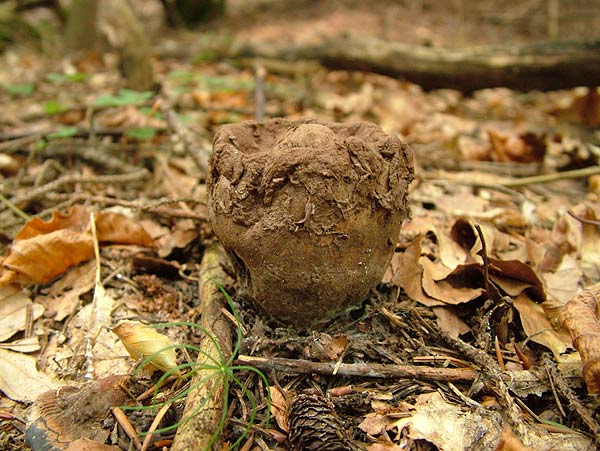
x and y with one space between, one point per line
291 366
205 402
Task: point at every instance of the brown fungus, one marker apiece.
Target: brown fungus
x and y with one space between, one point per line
309 211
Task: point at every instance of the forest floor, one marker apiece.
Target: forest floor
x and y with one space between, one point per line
461 346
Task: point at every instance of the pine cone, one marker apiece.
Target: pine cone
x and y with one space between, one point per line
314 426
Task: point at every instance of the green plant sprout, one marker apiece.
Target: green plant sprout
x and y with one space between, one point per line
77 77
123 98
224 369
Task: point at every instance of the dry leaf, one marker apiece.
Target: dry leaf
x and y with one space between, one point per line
410 275
510 442
279 407
336 347
525 148
448 426
117 228
29 344
538 328
582 319
19 378
143 341
563 283
385 445
62 298
42 258
452 290
15 309
84 444
449 322
43 250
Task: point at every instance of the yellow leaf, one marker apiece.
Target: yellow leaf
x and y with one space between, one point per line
143 341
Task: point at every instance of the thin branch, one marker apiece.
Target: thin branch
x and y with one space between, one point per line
371 370
547 178
150 206
71 179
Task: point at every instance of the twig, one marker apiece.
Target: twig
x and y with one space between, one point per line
583 220
71 179
127 427
493 377
159 416
155 207
93 154
486 263
259 94
547 178
205 402
372 370
16 210
200 152
562 387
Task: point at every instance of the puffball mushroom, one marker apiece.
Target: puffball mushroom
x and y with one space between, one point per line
308 210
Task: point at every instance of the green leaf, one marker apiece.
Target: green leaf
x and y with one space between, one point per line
147 110
55 77
52 107
180 76
63 132
19 89
205 56
40 144
141 133
123 98
77 77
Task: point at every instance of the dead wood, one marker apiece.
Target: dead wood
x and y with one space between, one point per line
542 66
371 370
205 403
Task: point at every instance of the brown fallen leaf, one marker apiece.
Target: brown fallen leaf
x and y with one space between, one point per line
510 442
462 285
62 298
15 308
20 380
538 328
523 148
279 407
90 445
410 275
42 250
581 318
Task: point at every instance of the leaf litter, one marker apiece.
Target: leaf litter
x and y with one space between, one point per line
504 291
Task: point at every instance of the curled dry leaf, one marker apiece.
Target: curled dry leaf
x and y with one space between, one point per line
582 319
538 327
42 250
524 148
143 341
279 407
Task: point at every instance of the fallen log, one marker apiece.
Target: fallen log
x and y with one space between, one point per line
542 66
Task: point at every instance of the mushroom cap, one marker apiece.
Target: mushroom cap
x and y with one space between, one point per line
309 211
